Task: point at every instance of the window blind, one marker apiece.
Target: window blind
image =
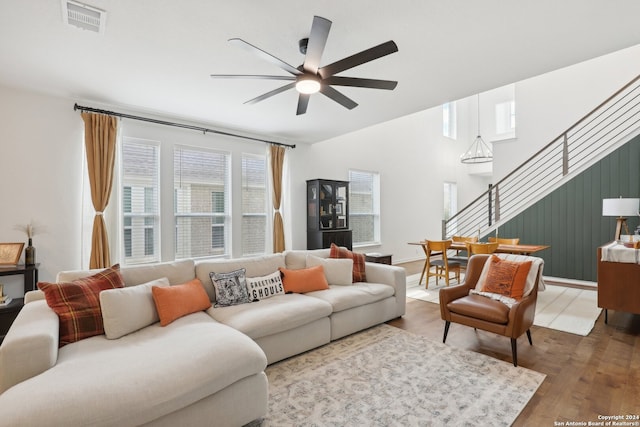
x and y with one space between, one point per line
364 217
201 191
254 204
140 202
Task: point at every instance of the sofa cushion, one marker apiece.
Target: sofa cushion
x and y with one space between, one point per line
272 315
254 266
126 310
346 297
296 259
174 302
231 288
77 303
359 274
304 280
176 271
480 307
337 271
138 378
265 286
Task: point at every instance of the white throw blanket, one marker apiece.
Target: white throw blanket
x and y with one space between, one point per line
616 252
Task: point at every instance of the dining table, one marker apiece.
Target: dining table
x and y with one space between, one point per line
518 249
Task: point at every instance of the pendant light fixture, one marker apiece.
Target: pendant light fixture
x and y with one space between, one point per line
479 151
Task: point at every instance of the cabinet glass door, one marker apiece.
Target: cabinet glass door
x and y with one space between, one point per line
341 206
326 206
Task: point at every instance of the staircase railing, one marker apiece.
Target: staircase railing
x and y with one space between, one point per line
600 131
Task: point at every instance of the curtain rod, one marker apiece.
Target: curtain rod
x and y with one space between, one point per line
174 124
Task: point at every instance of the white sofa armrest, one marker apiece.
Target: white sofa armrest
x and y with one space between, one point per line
389 275
33 296
31 345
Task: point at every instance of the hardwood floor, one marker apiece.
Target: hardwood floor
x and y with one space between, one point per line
586 376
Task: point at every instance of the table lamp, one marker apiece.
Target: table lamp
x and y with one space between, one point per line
620 208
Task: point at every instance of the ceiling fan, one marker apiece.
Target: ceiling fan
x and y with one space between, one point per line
310 77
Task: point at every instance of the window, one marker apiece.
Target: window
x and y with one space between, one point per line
254 204
450 208
201 190
364 207
449 120
140 202
506 117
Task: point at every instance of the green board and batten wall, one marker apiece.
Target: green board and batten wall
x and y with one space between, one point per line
570 219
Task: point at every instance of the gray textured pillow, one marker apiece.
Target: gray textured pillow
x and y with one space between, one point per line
125 310
231 288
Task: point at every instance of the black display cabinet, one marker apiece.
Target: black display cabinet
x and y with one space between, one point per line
328 214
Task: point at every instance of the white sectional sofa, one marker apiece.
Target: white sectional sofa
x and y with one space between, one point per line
206 368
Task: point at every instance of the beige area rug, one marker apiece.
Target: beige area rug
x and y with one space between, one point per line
385 376
564 309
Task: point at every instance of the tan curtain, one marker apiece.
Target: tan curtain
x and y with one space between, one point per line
100 141
277 164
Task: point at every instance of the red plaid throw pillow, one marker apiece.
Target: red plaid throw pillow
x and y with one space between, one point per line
358 261
77 303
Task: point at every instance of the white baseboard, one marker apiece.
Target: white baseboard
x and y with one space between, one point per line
569 282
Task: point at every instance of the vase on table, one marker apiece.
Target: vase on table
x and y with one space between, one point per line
30 254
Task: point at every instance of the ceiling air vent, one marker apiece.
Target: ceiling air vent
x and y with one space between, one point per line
83 16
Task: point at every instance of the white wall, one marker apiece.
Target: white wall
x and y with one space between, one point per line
40 169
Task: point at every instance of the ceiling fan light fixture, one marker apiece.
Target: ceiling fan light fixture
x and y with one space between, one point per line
307 84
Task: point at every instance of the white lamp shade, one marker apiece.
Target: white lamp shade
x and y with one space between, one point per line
620 207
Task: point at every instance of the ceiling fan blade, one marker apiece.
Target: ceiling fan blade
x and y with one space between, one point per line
251 76
266 56
271 93
317 41
341 99
357 82
358 59
303 102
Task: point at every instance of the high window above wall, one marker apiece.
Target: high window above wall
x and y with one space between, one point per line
506 118
450 120
364 207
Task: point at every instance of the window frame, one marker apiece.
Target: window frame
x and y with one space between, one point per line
226 215
375 212
246 215
129 219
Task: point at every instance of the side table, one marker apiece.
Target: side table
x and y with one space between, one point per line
379 258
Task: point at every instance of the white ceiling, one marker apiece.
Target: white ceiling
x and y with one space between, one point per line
156 55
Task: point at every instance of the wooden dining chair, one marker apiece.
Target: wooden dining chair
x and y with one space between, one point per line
462 256
482 248
505 241
442 267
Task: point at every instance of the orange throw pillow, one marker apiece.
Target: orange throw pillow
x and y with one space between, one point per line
506 277
304 280
173 302
358 261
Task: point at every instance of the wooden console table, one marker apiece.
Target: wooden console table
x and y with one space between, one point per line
618 286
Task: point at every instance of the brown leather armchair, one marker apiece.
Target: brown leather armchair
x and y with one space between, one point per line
477 311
